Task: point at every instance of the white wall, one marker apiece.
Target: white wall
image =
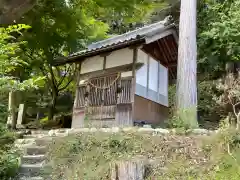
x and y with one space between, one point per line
91 64
116 58
153 74
119 57
126 74
142 56
157 90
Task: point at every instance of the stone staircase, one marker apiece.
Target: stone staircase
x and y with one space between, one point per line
34 148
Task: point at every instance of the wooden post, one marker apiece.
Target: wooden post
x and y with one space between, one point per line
187 64
78 114
133 90
128 170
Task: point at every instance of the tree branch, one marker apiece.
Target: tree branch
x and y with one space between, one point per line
71 79
63 77
64 87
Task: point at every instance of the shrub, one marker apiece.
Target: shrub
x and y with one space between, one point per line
209 111
9 156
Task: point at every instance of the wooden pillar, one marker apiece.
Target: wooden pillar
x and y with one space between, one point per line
78 113
133 90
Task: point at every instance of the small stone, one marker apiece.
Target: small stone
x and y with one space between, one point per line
127 129
173 131
81 130
200 131
93 130
217 131
62 134
61 130
161 131
105 129
20 126
147 126
145 130
52 133
115 129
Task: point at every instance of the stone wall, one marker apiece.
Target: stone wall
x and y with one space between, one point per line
154 131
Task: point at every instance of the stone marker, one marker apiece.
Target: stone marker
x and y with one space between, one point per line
21 116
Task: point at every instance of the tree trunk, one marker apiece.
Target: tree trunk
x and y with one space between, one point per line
12 10
52 106
12 109
187 64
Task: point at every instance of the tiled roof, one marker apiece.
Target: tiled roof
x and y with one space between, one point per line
129 36
123 39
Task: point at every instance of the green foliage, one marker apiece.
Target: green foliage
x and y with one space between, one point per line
172 99
219 38
183 119
210 112
9 157
11 63
227 163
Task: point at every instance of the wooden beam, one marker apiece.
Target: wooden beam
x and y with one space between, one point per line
104 62
172 65
123 68
135 53
168 49
105 54
148 67
136 46
149 52
162 49
170 55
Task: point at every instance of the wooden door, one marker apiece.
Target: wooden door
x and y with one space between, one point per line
102 97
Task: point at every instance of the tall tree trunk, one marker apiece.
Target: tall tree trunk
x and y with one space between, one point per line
12 109
187 64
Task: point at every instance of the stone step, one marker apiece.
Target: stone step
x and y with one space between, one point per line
40 132
43 141
35 136
35 150
25 141
31 178
32 159
31 170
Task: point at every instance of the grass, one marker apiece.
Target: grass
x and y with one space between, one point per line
89 156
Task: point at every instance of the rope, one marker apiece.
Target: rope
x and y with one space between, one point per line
102 88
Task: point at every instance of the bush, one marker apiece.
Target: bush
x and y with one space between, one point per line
209 111
9 156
